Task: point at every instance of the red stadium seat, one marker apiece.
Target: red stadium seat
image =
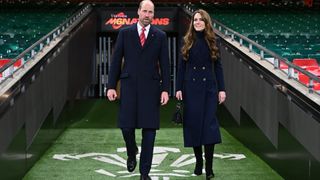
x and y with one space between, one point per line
304 63
3 62
316 86
305 80
315 71
283 65
16 65
312 68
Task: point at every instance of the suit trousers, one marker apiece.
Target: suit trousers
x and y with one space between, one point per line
147 144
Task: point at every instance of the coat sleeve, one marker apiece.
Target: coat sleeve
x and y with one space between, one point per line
164 64
116 60
181 71
218 70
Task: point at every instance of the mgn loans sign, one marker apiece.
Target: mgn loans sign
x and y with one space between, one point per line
115 19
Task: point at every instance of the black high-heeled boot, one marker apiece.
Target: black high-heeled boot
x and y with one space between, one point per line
199 160
209 176
198 168
209 161
209 171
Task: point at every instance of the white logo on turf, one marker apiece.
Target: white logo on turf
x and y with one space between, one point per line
159 155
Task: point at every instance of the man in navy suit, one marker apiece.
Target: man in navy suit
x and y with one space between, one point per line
144 78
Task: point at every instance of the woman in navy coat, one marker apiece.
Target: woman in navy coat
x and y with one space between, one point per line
200 85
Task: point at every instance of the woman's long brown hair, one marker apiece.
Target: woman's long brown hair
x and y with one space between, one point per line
209 36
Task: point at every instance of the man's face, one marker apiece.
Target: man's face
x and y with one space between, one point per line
146 13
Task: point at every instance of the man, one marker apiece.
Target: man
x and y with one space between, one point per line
144 79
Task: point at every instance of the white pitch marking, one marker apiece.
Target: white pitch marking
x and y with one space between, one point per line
156 150
155 170
181 171
123 172
117 157
111 161
64 157
104 172
92 154
131 175
181 161
168 174
230 156
158 158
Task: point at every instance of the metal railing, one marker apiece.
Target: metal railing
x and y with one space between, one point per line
264 53
27 55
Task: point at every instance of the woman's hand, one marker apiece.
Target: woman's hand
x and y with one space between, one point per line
222 96
179 95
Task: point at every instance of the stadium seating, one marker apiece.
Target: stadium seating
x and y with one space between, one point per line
23 26
3 62
304 79
306 63
311 66
290 33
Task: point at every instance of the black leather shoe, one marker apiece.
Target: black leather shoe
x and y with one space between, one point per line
142 177
131 163
209 176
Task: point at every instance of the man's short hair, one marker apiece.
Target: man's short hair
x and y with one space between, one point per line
140 4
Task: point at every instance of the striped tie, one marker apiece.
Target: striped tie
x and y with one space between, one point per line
142 36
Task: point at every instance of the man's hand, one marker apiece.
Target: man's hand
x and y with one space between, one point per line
222 96
164 98
179 95
112 94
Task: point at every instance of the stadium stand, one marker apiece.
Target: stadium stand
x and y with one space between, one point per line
289 32
24 25
22 29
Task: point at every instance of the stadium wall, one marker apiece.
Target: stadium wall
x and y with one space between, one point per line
30 123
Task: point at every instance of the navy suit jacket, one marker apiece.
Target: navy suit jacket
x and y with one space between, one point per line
143 76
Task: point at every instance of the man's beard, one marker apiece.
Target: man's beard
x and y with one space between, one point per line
146 21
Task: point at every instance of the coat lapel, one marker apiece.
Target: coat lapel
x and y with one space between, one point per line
150 38
135 36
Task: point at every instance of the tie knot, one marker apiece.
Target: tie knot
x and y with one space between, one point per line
143 29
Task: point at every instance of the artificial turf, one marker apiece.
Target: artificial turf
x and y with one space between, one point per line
92 148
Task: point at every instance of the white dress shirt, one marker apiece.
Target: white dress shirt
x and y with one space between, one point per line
145 32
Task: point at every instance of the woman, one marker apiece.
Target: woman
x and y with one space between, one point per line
200 85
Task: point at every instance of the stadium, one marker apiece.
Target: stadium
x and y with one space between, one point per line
56 121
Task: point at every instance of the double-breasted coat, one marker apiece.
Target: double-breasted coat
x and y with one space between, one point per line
200 79
144 75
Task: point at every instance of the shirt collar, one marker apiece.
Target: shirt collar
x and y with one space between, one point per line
140 27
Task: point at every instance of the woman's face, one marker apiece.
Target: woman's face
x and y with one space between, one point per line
198 22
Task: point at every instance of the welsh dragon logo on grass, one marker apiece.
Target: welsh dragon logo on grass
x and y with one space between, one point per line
167 162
